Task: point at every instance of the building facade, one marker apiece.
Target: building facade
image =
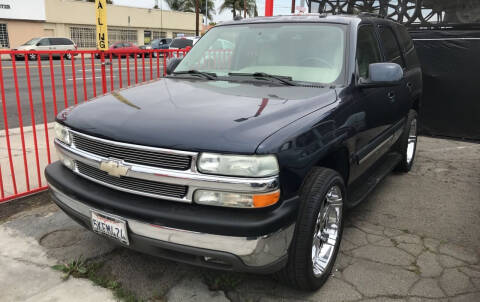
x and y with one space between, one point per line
76 20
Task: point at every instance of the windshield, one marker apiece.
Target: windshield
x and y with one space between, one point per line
32 41
306 52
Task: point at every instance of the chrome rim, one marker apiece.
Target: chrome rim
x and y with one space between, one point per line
412 141
327 231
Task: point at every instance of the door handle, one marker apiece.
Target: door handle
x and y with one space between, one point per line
391 96
410 86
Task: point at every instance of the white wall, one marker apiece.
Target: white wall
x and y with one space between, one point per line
22 9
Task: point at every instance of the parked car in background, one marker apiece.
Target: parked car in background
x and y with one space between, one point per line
248 165
46 43
163 43
183 42
129 48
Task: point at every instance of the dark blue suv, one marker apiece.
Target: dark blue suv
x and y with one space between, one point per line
246 156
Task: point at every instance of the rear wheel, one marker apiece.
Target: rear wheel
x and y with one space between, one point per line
68 56
407 143
318 231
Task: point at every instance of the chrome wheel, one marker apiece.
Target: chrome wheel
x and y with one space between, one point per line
326 236
412 141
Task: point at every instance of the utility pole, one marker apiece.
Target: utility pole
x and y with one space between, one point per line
293 6
196 19
244 8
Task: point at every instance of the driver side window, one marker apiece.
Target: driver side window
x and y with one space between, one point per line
368 51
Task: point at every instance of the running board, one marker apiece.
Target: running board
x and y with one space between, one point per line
358 192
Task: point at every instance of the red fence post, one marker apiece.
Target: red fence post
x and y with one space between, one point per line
104 72
54 92
111 73
128 70
143 67
7 135
20 121
94 78
136 70
268 8
74 79
151 66
32 117
44 109
65 97
85 95
120 71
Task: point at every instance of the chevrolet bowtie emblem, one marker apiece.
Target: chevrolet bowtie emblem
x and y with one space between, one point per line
114 167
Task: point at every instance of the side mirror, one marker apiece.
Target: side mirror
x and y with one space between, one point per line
38 44
382 75
172 64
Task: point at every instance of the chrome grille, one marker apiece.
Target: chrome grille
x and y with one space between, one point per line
135 155
133 185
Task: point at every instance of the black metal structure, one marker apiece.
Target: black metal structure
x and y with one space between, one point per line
447 38
408 12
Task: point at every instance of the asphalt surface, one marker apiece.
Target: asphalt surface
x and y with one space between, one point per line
70 82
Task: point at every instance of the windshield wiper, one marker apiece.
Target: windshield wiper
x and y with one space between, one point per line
207 75
284 79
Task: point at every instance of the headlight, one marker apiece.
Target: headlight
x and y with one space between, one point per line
238 165
62 133
236 200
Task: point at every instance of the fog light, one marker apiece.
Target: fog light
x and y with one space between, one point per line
67 162
236 200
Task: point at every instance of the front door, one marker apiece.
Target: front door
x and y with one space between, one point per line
373 105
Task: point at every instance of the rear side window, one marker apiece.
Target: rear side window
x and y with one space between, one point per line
391 48
405 40
368 51
181 43
60 41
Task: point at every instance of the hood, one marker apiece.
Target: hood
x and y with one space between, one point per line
25 47
196 115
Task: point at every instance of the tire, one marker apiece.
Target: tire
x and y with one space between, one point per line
407 143
32 57
299 271
68 56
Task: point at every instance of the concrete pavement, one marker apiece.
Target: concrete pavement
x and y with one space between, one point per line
416 238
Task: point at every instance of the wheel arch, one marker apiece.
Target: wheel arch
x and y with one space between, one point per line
338 160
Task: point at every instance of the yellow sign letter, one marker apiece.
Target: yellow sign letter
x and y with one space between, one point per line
101 21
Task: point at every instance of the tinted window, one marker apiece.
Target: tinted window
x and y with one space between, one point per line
367 50
404 38
391 48
43 42
181 43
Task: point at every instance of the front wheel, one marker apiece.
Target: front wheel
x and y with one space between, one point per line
32 57
68 56
407 143
318 231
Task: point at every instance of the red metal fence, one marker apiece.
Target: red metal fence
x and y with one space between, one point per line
36 85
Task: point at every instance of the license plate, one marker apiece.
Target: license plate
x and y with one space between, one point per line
110 226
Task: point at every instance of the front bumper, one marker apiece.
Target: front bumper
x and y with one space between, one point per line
223 247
